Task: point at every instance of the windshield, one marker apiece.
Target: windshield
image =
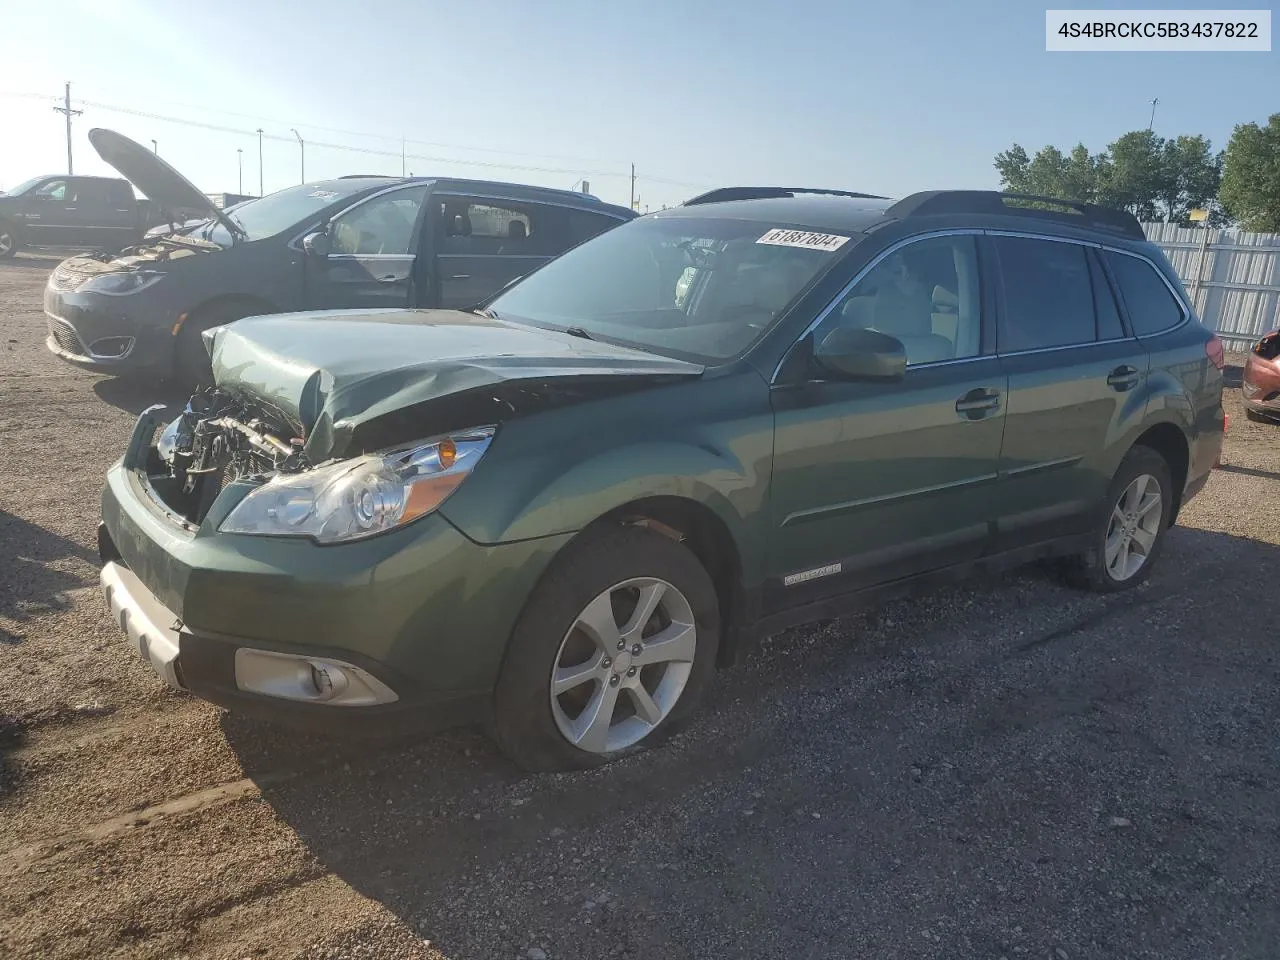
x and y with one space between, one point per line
696 288
279 211
22 187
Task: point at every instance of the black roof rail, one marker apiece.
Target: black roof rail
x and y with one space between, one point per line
371 176
768 193
941 202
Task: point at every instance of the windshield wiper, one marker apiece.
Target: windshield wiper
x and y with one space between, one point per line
578 332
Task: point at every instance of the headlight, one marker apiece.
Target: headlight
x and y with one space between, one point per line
121 284
361 497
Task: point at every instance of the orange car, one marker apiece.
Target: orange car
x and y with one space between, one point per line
1261 388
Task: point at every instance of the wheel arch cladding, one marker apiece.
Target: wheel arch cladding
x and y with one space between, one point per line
705 534
1168 440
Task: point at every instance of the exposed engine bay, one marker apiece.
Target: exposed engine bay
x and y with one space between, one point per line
218 440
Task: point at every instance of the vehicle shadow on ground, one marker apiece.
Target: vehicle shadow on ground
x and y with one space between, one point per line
1249 471
1041 728
134 396
34 574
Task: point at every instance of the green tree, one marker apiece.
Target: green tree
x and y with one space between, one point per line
1190 175
1250 189
1134 174
1013 164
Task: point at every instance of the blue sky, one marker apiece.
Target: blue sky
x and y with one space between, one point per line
888 98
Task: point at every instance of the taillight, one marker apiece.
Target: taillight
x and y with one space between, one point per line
1213 350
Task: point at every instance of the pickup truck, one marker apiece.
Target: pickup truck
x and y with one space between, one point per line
60 211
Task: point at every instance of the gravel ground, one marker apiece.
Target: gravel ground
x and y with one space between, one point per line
1002 769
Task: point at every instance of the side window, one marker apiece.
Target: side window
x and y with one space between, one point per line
119 195
1104 303
925 294
57 189
87 193
1147 299
582 226
383 225
491 228
1048 296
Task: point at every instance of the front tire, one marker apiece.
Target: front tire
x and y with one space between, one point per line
191 362
1130 531
8 241
613 651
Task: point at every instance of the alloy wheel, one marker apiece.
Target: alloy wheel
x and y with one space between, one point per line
623 665
1133 528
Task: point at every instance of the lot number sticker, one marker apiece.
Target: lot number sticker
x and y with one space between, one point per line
803 239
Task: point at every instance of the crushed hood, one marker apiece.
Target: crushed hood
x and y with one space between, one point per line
330 372
172 192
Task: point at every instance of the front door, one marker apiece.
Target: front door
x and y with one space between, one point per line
373 251
482 244
875 481
47 221
1075 383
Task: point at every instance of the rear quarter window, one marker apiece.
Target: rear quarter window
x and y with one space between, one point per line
1152 308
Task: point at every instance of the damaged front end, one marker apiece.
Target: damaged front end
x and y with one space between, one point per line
219 439
222 440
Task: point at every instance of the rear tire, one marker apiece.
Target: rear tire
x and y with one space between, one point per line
191 363
1256 417
647 689
1129 529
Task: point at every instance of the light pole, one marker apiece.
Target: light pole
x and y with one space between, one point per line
240 170
260 193
302 147
155 148
1155 102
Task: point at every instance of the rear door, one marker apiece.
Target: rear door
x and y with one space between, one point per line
90 217
1075 385
483 243
373 249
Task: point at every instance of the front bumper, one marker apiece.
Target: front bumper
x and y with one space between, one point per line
424 610
107 334
1260 389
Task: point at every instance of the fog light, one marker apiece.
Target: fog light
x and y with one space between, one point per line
319 680
111 347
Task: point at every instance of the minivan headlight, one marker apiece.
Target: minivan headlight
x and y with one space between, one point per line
121 284
352 499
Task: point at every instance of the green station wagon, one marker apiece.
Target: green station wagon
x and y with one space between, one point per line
558 512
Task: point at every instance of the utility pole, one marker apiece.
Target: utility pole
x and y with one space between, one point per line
302 147
1155 101
633 186
66 110
402 156
260 193
240 170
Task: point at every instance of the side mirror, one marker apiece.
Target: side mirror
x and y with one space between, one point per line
316 244
855 353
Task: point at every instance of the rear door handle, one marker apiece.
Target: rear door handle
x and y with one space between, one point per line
979 402
389 278
1123 377
461 276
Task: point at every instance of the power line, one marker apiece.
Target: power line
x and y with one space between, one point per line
367 151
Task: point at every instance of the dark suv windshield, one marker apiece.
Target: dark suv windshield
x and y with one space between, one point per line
23 187
691 287
283 209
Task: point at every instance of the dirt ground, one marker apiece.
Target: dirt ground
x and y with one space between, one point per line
1005 768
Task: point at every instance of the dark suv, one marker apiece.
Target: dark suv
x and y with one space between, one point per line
562 510
363 242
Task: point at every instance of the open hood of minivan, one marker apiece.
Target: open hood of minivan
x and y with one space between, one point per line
332 372
175 194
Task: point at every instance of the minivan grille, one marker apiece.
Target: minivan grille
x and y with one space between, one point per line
65 337
65 278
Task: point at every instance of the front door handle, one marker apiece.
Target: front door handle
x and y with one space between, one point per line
1123 377
461 276
978 403
389 278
